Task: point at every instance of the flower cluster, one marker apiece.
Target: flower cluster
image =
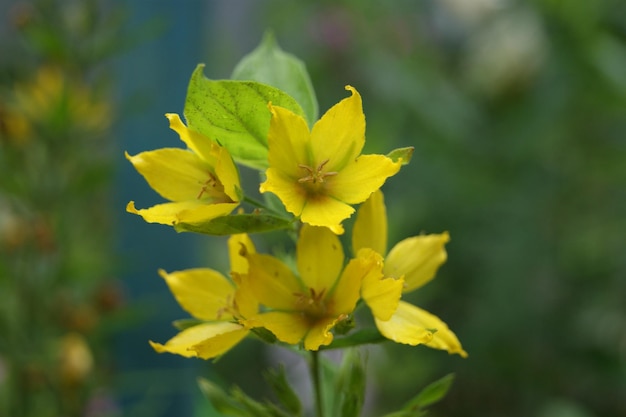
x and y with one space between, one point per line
312 177
318 175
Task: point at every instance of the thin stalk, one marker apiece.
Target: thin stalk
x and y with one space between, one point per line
317 383
260 205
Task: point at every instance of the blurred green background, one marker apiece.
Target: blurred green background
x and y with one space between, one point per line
516 110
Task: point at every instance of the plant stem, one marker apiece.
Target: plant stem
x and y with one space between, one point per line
317 383
260 205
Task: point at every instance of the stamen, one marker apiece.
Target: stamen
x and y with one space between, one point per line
211 182
315 175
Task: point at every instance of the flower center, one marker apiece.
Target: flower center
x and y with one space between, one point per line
229 308
315 176
212 188
312 304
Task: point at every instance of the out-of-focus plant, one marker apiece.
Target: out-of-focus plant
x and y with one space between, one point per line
312 172
58 297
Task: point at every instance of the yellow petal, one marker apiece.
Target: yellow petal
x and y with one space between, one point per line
205 212
348 290
203 293
381 294
443 338
287 327
197 142
212 154
319 257
176 174
287 140
405 326
221 343
225 336
194 211
227 172
236 244
417 259
245 301
288 190
319 334
327 212
338 137
360 178
370 226
272 282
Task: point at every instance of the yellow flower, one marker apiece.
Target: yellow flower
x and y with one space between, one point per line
306 307
220 304
318 174
413 261
202 183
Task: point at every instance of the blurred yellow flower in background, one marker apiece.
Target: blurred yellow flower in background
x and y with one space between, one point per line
54 101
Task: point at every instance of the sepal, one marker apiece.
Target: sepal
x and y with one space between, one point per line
402 155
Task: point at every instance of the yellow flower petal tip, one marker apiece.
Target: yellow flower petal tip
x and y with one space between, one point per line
176 124
158 347
130 208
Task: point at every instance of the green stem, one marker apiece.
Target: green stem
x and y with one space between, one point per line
262 206
317 383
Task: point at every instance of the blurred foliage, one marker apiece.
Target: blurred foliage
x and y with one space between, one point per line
59 301
517 112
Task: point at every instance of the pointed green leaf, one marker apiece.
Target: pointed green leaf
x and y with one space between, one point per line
350 385
237 223
401 154
431 394
269 64
253 407
220 400
235 114
285 394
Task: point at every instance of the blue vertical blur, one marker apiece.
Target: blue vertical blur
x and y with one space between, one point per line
152 79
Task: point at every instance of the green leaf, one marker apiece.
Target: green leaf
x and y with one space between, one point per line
288 398
433 393
237 223
350 385
220 400
255 408
403 155
269 64
407 414
235 114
